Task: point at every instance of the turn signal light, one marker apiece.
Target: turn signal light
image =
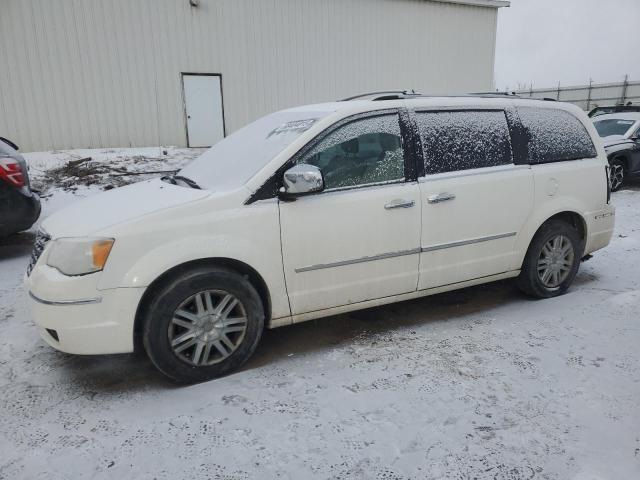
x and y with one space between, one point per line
100 251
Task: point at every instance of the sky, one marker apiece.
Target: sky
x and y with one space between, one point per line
568 41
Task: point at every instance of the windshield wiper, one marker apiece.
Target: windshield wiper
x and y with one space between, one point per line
174 179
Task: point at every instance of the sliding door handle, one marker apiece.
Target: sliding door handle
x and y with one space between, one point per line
441 197
399 204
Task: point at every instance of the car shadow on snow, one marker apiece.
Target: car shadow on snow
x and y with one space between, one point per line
463 305
633 185
343 329
124 374
129 373
110 374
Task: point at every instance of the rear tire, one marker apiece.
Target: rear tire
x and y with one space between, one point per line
203 324
617 175
552 260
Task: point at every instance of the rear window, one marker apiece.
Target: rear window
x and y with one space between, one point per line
613 126
555 135
462 140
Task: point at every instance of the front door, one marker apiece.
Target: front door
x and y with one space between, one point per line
475 201
359 239
203 109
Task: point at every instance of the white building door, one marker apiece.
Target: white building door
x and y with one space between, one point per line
203 105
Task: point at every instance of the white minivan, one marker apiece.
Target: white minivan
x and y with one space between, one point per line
320 210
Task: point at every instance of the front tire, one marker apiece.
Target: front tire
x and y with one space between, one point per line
552 260
203 324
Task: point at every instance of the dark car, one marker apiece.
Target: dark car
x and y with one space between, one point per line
19 206
596 112
620 134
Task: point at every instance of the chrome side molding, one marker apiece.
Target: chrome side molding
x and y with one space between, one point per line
86 301
343 263
403 253
442 246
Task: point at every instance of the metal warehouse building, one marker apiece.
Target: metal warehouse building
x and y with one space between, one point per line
120 73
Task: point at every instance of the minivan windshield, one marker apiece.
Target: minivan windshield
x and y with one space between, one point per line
231 162
613 126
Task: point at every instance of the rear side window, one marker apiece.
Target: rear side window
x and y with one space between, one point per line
555 135
462 140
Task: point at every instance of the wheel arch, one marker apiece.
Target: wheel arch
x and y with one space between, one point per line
574 219
623 156
571 217
229 263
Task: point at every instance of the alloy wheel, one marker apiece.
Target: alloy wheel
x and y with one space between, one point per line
207 328
616 176
555 261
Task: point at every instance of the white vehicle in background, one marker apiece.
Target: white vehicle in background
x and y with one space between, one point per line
320 210
620 134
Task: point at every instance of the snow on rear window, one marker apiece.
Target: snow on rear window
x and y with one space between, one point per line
555 135
463 140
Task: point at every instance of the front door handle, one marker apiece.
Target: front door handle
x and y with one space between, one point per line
441 197
400 203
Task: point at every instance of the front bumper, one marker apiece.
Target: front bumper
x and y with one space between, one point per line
18 210
73 316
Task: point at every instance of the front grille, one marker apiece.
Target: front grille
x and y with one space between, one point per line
38 246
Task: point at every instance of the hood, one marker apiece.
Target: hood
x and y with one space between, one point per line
612 140
99 212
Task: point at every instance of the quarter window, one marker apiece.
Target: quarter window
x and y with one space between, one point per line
362 152
462 140
555 135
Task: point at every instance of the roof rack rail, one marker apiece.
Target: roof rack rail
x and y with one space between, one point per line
405 94
512 95
494 94
385 95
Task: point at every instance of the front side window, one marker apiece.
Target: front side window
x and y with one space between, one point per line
362 152
555 135
462 140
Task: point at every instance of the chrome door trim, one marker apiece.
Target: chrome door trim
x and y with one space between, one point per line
441 197
86 301
443 246
403 253
399 203
383 256
472 172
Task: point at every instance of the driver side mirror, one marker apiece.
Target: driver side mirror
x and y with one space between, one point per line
301 180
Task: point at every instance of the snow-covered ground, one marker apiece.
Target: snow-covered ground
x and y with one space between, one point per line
477 384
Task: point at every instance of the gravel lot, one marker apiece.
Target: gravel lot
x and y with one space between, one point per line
477 384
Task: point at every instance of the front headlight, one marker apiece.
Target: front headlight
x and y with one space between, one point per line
79 256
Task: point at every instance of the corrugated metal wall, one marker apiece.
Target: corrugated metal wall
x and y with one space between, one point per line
590 96
96 73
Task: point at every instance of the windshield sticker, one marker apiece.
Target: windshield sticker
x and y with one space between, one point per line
626 122
297 126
